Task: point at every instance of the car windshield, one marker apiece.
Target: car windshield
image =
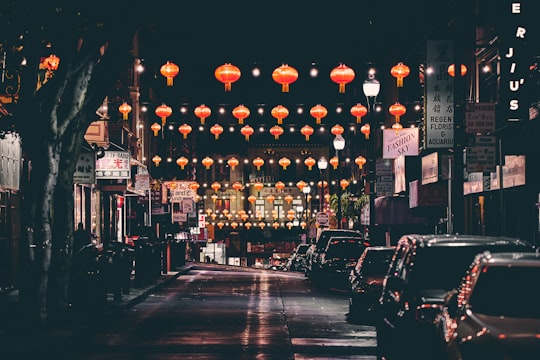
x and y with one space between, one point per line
345 249
507 291
442 267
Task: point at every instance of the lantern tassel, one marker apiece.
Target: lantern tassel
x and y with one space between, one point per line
285 88
202 121
169 81
228 87
399 82
341 88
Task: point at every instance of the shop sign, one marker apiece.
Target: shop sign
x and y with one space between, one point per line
402 142
113 165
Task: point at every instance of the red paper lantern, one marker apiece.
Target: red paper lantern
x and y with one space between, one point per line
270 198
397 126
252 198
227 74
202 112
318 112
400 71
163 111
220 224
280 185
237 186
233 162
309 162
216 130
307 131
359 111
124 109
155 128
169 70
360 161
182 162
207 162
337 130
334 161
247 131
344 183
289 198
258 186
276 131
185 129
280 112
284 162
258 162
452 71
215 186
240 112
285 75
342 75
397 110
234 225
301 184
194 186
248 225
365 129
156 159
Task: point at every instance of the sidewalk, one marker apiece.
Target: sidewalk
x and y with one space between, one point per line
16 341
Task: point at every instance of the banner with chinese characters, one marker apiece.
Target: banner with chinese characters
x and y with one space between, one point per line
114 165
439 88
85 170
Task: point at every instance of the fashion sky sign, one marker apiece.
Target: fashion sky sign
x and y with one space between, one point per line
402 142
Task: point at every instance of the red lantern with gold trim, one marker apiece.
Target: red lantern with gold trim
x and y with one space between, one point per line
359 111
247 131
227 74
397 126
163 111
155 128
194 186
310 162
284 162
334 161
400 71
182 162
307 131
185 130
248 225
318 112
241 112
276 130
280 185
258 186
280 112
237 186
344 183
233 162
258 162
156 159
360 161
124 109
252 199
301 184
216 130
366 130
215 186
342 75
207 162
452 70
337 130
397 110
289 198
285 75
270 198
169 70
202 112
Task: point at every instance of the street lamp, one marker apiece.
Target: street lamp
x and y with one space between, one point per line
371 88
306 190
322 164
339 144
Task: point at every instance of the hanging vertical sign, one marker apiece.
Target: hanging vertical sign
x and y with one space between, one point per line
439 113
514 98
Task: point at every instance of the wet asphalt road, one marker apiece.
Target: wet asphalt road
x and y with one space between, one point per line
218 312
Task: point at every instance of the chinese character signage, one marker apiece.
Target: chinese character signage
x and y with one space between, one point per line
439 112
114 165
85 170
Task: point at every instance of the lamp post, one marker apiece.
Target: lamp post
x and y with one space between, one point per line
339 144
322 164
306 190
371 88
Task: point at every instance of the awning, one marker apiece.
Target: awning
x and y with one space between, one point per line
394 210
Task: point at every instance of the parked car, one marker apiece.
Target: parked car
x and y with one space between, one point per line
365 282
423 269
494 314
297 260
319 244
334 263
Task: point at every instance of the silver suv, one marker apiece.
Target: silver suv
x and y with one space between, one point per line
424 268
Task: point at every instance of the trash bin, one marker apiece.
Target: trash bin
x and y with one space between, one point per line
127 255
110 269
178 254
